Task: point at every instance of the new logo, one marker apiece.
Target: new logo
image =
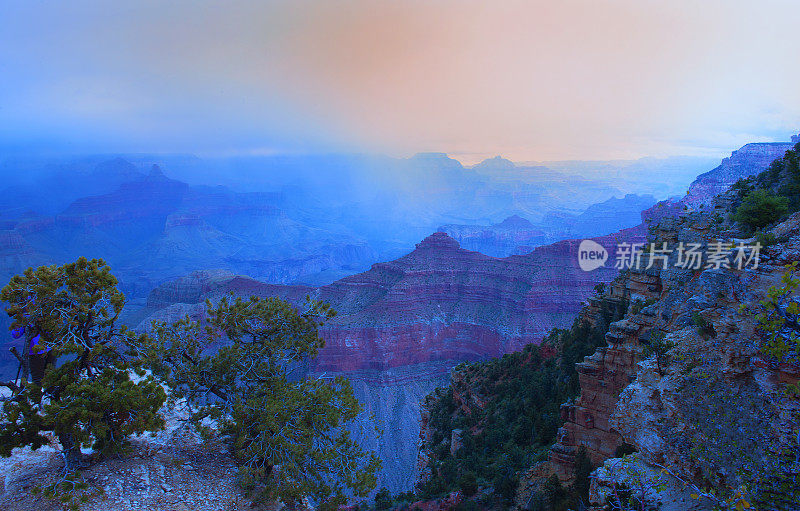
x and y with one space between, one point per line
591 255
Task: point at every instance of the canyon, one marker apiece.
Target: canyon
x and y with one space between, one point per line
401 325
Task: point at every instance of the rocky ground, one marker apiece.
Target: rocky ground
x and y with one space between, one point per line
175 470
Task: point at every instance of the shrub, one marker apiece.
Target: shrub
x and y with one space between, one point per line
780 316
766 239
658 345
286 433
383 499
583 467
76 380
760 208
469 483
704 328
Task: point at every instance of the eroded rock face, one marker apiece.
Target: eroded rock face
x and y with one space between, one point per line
402 325
746 161
712 409
603 376
438 303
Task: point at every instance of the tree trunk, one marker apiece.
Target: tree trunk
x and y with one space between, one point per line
73 457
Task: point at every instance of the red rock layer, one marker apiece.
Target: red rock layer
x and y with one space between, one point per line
438 303
603 376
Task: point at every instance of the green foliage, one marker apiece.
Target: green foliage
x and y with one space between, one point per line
779 316
783 178
704 328
286 432
508 409
583 467
81 388
383 499
760 208
743 186
658 345
638 305
552 497
71 491
767 197
468 483
766 239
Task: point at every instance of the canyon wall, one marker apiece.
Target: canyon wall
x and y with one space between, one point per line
746 161
402 325
711 412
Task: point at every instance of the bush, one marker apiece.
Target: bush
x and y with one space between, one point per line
656 344
469 483
76 378
285 432
760 208
779 317
704 328
583 468
766 239
552 496
383 499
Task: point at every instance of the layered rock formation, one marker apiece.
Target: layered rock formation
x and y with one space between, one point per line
712 412
746 161
402 325
603 376
153 228
439 303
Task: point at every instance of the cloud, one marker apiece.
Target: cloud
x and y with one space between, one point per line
531 80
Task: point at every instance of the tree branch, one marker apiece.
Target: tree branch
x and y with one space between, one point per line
14 352
10 384
213 389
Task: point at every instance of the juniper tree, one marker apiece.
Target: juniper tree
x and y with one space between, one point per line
287 432
658 345
74 381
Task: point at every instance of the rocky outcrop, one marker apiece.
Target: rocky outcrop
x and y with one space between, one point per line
514 235
746 161
603 376
709 412
607 373
439 303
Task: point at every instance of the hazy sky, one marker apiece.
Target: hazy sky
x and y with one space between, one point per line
529 80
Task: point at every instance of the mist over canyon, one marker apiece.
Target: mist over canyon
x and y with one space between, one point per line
427 262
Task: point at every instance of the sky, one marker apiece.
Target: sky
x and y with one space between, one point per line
530 80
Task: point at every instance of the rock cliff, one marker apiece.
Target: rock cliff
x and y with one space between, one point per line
746 161
439 303
712 414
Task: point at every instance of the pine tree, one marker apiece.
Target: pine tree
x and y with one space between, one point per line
75 382
287 432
